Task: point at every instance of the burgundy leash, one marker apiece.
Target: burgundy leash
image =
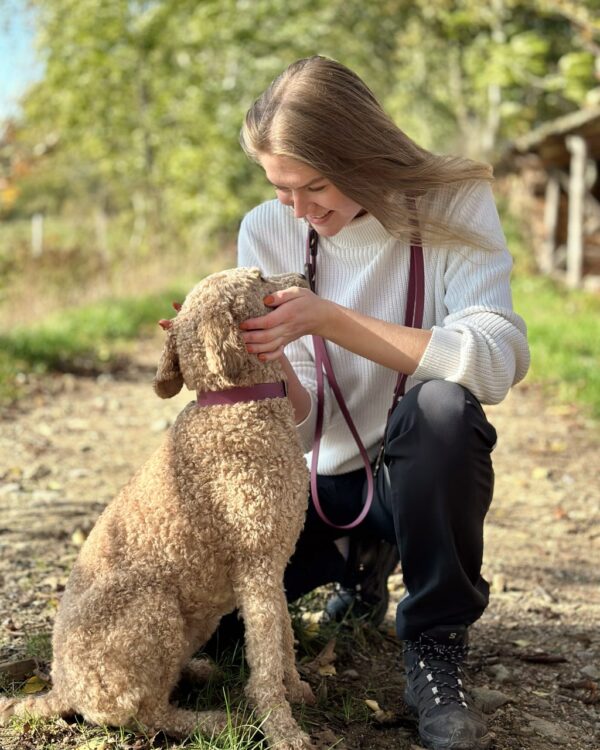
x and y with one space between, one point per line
413 319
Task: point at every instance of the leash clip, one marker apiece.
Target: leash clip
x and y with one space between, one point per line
379 459
309 274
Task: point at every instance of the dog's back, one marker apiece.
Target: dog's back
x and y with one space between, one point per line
212 515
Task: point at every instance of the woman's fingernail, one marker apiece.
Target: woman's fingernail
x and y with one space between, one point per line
262 357
249 348
269 299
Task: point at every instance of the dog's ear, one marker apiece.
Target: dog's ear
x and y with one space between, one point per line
168 381
225 349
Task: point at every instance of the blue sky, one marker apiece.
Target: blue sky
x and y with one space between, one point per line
18 65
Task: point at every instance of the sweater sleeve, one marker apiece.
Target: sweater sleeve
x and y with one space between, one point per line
482 342
258 240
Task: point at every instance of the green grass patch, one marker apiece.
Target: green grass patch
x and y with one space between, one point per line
564 338
79 339
563 328
39 646
340 703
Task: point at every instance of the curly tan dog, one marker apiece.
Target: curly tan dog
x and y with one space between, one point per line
206 525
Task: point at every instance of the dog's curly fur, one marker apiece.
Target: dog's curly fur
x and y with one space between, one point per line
206 525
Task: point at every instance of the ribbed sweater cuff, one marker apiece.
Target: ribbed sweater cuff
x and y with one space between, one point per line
441 358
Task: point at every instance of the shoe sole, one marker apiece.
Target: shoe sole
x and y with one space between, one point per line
480 744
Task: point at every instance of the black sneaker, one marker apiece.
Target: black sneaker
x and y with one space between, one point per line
448 720
364 594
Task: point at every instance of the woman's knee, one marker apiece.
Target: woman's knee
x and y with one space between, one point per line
440 412
443 406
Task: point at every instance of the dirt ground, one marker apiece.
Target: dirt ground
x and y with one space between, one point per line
535 657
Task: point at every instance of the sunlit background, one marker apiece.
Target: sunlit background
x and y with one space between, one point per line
120 168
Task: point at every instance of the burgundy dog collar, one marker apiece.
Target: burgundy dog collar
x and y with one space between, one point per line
257 392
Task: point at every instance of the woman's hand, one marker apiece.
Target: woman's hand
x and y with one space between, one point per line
298 312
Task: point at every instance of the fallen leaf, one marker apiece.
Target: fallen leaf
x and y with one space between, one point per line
324 660
310 629
381 716
311 623
34 685
327 670
560 410
558 446
96 743
327 655
385 717
12 473
78 537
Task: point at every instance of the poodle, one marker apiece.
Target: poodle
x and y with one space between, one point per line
205 526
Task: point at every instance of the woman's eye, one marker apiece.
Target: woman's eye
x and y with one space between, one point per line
316 189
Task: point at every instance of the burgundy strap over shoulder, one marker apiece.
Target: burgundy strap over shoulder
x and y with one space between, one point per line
413 319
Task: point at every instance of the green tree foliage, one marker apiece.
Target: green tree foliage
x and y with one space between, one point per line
476 74
144 98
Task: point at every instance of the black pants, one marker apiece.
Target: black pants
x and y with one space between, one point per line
431 499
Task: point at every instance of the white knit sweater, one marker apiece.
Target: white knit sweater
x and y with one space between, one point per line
478 341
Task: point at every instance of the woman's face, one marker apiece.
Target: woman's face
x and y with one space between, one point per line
312 196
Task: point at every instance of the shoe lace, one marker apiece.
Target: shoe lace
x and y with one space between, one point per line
436 672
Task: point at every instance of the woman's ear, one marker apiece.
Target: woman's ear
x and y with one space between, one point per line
225 350
168 380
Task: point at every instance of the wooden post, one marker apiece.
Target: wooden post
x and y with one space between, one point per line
37 235
551 213
101 225
578 148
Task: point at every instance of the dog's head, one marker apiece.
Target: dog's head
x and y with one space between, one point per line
204 348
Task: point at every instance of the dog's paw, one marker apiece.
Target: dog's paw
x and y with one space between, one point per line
282 731
301 692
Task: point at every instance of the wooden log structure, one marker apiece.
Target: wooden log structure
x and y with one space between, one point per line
558 164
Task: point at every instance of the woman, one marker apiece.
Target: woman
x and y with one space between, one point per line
340 166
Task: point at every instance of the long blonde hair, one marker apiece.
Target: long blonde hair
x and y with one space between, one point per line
321 113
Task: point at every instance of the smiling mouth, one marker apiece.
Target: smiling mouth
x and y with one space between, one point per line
319 218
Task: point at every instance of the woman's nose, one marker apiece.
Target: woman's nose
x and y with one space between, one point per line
300 206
